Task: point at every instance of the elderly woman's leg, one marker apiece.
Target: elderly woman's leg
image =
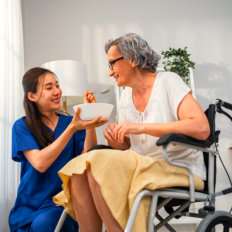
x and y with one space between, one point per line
88 204
83 204
103 210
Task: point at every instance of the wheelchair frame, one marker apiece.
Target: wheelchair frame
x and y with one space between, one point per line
173 193
208 213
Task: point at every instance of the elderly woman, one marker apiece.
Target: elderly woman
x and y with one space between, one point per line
101 185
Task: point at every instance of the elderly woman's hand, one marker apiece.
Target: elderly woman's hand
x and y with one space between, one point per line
123 129
89 97
108 133
112 141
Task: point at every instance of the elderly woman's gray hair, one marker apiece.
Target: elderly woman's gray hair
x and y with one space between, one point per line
132 46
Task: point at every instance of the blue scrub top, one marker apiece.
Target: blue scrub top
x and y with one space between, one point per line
36 189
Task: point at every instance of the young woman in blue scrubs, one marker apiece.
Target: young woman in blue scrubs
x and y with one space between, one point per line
44 141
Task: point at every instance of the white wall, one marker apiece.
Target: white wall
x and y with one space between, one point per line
78 29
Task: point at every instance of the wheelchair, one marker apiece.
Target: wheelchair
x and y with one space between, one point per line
182 198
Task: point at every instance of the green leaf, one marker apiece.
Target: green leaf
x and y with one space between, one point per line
178 60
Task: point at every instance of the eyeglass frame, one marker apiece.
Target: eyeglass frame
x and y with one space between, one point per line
112 63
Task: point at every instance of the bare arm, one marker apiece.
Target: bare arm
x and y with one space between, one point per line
41 160
90 140
193 123
91 137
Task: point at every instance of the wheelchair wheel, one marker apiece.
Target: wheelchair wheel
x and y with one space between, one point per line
218 221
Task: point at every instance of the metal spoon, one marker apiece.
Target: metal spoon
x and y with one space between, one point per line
102 92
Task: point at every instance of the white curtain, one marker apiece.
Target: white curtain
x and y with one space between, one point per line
11 97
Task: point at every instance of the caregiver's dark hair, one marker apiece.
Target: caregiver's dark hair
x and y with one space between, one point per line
33 116
132 46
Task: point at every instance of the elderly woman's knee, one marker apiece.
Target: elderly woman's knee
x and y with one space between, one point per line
92 182
78 182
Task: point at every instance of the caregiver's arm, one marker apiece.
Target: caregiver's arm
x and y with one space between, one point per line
41 160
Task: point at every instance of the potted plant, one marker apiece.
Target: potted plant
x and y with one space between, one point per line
178 61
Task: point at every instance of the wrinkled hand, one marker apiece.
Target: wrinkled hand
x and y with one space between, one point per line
123 129
79 124
89 97
108 133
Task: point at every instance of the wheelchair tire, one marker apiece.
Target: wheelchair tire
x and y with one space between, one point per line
210 222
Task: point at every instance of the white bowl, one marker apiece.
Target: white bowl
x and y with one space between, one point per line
90 111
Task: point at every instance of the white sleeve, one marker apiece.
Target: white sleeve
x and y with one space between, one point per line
123 106
177 90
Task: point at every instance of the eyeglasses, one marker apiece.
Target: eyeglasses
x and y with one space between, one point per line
112 63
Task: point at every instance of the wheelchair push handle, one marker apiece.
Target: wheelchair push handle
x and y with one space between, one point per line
227 105
227 191
224 104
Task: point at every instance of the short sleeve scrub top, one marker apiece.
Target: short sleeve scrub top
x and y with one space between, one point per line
36 189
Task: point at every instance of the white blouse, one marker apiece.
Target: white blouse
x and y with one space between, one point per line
167 93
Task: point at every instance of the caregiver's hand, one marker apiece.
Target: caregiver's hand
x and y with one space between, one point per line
89 97
78 124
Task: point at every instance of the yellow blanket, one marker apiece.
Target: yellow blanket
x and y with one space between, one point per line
121 175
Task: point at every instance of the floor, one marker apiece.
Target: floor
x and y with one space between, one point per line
181 228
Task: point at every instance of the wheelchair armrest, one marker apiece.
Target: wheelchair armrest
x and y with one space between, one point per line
173 137
186 141
182 140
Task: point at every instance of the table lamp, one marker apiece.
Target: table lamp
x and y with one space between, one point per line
72 78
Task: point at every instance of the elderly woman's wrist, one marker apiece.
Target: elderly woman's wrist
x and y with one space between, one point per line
141 128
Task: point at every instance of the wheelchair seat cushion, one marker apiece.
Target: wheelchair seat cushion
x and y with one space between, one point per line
121 176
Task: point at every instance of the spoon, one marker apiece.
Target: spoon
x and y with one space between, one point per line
102 92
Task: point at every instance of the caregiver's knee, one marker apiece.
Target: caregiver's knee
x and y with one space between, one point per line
43 223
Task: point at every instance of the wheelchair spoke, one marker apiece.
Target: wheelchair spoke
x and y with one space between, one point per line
227 228
218 221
